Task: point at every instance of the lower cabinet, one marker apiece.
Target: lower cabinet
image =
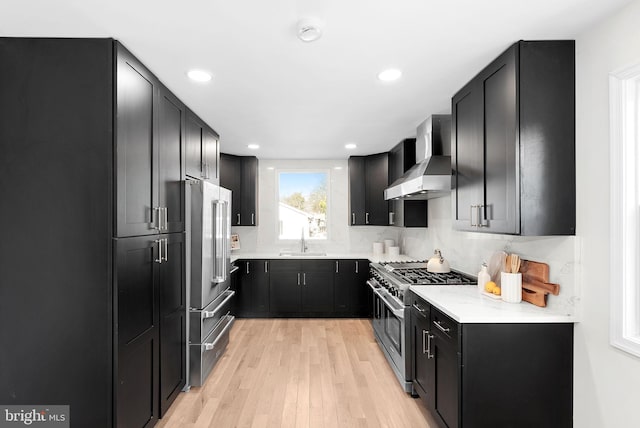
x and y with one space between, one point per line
150 332
491 374
352 295
253 288
303 287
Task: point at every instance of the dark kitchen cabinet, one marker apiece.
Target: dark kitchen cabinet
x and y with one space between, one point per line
136 289
352 295
240 175
97 142
202 151
368 177
513 143
253 288
405 213
497 375
301 287
173 329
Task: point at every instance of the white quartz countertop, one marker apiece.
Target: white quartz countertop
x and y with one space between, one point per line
465 304
375 258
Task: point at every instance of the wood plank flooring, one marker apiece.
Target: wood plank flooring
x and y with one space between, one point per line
299 373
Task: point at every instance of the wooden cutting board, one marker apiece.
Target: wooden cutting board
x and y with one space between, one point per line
535 283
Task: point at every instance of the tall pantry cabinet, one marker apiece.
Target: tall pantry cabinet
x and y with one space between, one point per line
92 258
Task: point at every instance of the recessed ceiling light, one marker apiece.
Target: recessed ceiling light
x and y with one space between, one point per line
309 29
350 146
390 75
199 75
253 146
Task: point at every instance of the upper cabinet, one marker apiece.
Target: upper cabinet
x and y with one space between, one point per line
240 175
150 152
513 143
405 213
202 150
368 177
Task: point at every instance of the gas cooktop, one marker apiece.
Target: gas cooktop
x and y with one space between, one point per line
416 273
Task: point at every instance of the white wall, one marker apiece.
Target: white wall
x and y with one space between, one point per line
342 238
607 381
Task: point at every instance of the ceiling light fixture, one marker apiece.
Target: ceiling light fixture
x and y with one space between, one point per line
199 75
253 146
350 146
390 75
309 29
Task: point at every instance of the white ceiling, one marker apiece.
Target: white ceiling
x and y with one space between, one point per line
307 100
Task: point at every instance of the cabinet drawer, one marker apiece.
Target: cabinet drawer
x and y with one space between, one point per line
443 326
203 357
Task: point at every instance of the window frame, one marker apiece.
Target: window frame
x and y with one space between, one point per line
624 113
326 171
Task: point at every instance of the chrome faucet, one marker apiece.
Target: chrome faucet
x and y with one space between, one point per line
303 244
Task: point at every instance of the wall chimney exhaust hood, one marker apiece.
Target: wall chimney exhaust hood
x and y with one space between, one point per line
431 176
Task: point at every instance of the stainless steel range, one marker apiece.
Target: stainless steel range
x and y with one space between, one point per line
391 302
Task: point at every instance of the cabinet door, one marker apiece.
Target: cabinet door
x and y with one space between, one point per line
243 293
377 179
422 363
170 141
499 211
136 170
210 154
317 285
137 320
446 357
230 178
467 157
345 282
357 197
193 146
362 292
249 191
260 286
173 329
285 287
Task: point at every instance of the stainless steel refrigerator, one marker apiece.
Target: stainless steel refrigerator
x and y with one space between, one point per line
208 265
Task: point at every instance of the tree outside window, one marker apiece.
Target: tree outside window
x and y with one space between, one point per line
302 205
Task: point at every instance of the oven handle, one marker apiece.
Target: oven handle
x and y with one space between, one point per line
399 313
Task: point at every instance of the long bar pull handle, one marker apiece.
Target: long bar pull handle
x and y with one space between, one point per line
353 218
238 217
356 266
166 218
391 220
471 207
429 337
159 242
253 222
298 278
337 271
155 219
366 218
441 328
247 267
211 314
304 278
266 266
424 341
166 249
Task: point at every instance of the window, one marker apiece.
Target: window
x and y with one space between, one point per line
624 91
302 207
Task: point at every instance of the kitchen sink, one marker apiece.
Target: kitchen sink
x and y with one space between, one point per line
307 254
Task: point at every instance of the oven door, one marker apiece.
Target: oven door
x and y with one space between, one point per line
393 328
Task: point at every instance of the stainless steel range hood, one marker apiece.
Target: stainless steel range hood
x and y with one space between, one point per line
431 176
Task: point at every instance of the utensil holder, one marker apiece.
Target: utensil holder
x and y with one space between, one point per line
511 286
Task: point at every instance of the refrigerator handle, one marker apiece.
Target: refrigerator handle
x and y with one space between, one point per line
219 241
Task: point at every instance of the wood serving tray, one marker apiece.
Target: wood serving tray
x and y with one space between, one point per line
535 283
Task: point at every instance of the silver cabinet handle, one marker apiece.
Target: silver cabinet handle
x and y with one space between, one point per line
353 218
166 249
266 266
356 266
471 207
429 337
441 328
253 219
419 309
238 218
304 279
159 242
211 314
155 218
247 267
366 218
298 278
391 216
424 341
337 271
166 218
212 345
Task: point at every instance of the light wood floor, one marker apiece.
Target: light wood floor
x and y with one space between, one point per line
299 373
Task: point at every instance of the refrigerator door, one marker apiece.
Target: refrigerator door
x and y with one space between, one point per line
209 234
